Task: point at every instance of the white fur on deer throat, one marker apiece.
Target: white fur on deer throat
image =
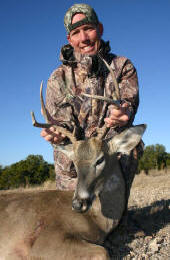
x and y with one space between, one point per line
83 194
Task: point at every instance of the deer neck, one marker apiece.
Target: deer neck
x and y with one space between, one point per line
109 205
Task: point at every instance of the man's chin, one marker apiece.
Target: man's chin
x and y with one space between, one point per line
90 53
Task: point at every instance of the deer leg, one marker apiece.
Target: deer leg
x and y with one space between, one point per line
96 252
62 247
83 250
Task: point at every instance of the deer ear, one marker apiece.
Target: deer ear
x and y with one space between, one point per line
66 149
127 140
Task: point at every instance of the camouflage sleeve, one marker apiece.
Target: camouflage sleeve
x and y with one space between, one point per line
129 90
55 95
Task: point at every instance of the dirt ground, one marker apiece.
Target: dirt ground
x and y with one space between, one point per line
148 230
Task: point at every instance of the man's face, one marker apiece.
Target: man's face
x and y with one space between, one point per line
85 38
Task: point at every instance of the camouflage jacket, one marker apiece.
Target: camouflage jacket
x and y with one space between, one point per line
83 73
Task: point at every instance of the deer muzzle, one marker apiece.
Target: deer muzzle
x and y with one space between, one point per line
81 205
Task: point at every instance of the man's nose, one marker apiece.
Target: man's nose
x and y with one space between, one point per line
83 36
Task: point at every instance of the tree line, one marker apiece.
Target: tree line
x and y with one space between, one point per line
154 157
34 170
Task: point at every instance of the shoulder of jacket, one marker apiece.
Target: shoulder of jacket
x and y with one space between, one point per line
120 62
59 72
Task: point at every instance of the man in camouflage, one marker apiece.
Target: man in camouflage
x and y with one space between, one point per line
83 71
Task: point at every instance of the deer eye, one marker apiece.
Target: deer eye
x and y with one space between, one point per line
100 160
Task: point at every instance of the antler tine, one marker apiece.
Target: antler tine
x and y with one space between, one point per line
48 124
113 77
104 130
43 108
36 124
108 100
44 112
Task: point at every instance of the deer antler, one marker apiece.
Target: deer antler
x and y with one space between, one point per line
60 129
116 101
117 92
108 100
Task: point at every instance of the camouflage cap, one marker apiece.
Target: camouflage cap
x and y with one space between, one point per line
88 11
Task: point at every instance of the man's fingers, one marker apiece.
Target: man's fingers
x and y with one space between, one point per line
56 132
119 111
43 133
52 135
50 131
109 122
122 118
48 138
125 105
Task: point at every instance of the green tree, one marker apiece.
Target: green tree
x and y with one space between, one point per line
154 157
147 162
168 160
1 169
33 170
160 155
52 172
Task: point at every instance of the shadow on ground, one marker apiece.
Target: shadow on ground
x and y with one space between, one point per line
141 222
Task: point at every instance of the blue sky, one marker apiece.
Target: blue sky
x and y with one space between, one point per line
32 34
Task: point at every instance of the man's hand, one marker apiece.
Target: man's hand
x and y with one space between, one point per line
118 117
52 136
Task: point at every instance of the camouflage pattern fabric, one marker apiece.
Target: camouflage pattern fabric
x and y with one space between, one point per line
81 73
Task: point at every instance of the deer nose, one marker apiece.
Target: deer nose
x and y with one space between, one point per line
81 205
77 205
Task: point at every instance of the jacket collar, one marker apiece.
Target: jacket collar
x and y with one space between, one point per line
93 63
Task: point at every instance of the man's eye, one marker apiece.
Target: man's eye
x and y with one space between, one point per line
74 33
88 28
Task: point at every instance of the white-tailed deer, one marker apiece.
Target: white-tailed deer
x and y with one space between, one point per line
65 225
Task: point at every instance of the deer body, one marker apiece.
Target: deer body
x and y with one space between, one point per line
43 224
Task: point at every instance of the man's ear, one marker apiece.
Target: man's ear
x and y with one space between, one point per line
69 40
100 28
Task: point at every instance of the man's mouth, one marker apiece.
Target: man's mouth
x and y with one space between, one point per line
88 48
